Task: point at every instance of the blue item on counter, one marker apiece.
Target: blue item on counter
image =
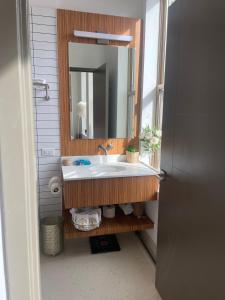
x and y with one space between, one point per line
82 162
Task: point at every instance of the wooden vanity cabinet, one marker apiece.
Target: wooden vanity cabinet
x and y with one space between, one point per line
97 192
94 192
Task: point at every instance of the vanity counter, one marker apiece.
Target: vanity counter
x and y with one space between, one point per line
112 166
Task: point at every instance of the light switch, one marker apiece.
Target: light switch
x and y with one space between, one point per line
48 152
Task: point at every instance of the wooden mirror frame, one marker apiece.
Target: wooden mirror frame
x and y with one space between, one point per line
67 22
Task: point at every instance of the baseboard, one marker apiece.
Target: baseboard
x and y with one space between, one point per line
149 244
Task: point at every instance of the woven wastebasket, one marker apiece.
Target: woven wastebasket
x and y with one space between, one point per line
52 235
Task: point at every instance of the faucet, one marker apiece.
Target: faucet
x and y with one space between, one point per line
105 149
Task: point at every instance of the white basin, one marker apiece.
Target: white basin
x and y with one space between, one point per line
111 166
106 168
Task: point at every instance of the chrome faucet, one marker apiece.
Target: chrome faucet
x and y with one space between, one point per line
105 149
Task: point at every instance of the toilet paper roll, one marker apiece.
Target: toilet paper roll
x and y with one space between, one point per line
109 211
54 179
55 188
55 185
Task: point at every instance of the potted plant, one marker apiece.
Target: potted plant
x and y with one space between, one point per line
151 140
132 155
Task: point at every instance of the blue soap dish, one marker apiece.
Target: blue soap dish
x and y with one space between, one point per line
82 162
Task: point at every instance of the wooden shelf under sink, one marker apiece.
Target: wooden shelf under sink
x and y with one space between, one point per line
119 224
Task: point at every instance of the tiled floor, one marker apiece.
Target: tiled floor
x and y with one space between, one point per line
76 274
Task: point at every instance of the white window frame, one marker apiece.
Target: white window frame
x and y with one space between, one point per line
161 74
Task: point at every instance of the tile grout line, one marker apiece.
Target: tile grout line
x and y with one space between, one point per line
35 15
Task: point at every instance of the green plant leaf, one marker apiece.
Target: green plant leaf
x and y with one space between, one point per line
131 149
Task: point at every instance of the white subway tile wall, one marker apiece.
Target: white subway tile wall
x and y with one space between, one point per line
46 113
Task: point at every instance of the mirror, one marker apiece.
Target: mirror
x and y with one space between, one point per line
102 91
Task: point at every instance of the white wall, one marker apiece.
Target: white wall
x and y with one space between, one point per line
46 113
126 8
91 56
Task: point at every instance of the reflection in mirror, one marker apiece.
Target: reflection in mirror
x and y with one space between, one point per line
102 91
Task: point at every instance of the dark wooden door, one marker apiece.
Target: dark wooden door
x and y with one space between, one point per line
100 102
191 238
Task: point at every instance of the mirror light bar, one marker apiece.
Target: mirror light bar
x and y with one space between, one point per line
103 36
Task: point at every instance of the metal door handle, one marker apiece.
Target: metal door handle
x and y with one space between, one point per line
162 175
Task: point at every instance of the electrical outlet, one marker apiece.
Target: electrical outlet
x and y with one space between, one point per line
48 152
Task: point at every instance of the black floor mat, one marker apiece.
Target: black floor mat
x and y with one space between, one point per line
104 243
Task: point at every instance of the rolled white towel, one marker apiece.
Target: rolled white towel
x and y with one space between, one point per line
126 208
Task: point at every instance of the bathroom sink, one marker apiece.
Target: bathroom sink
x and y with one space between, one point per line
106 168
110 166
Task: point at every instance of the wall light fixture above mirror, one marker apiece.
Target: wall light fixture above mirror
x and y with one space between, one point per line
103 36
102 91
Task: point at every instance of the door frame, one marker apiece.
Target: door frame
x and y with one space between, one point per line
17 156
